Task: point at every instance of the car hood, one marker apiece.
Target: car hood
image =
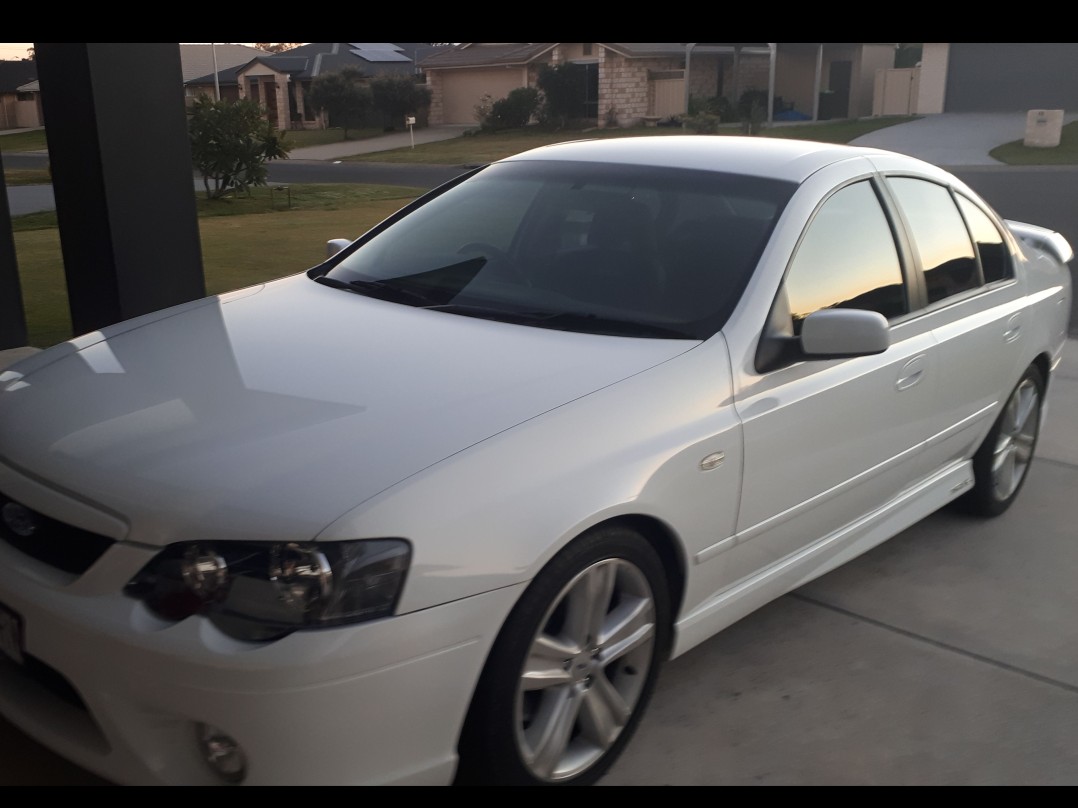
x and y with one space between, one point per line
268 413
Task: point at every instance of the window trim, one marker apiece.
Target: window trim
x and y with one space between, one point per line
777 349
923 305
1001 230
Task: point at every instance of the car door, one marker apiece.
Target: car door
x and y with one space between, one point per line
973 304
828 441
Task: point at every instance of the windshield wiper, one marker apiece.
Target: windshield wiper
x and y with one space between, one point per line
378 289
568 321
432 287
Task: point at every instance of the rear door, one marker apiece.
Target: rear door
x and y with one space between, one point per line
971 301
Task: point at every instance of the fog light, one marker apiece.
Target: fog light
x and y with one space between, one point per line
221 753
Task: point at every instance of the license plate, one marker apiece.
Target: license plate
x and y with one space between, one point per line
10 634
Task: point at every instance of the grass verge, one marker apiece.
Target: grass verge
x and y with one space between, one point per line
1016 153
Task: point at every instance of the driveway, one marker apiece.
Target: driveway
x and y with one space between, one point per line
953 138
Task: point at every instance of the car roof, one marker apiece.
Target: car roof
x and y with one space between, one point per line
777 158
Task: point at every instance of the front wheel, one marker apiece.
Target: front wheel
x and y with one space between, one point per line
573 668
1002 462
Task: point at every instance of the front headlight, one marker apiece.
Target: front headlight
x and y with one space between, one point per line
260 591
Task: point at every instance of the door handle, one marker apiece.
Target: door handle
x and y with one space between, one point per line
912 372
1014 326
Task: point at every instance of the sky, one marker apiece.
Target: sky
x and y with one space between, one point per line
13 51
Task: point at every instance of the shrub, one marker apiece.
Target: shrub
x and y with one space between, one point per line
397 97
563 92
752 109
231 142
344 96
512 112
703 123
718 106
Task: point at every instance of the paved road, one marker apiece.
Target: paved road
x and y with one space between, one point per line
418 176
23 199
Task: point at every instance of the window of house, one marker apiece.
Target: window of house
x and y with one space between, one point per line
939 235
847 259
587 48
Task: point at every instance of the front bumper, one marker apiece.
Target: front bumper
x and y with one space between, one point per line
119 692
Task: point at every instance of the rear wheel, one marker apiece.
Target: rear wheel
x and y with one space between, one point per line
573 668
1002 462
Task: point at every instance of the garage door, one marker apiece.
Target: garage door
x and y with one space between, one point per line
1012 76
462 90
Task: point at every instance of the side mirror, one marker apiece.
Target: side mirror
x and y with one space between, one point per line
335 245
835 333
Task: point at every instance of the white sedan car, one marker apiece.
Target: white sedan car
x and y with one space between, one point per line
438 509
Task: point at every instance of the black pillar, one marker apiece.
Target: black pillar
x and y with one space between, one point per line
122 178
12 319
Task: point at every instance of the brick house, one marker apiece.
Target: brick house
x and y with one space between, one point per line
20 106
280 81
630 83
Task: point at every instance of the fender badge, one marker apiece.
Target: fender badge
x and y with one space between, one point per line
712 461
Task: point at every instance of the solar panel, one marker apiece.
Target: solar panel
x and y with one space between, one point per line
380 56
378 46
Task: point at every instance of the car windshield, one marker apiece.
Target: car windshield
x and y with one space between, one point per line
598 248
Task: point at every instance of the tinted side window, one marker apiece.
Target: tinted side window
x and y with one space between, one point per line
847 259
939 237
995 258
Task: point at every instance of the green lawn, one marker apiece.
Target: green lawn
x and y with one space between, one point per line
244 242
27 176
1065 154
33 140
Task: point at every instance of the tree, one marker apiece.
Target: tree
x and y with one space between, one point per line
343 95
398 96
276 47
231 142
563 89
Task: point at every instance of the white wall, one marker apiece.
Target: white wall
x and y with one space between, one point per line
933 85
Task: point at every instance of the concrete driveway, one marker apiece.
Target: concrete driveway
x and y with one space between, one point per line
953 138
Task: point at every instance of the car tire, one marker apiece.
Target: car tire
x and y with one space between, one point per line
573 668
1001 464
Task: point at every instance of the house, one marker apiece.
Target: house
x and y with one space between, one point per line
630 82
280 81
20 106
983 77
199 63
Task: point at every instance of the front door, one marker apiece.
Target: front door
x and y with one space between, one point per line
829 441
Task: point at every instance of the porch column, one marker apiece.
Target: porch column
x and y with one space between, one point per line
12 316
284 111
123 179
816 83
772 48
